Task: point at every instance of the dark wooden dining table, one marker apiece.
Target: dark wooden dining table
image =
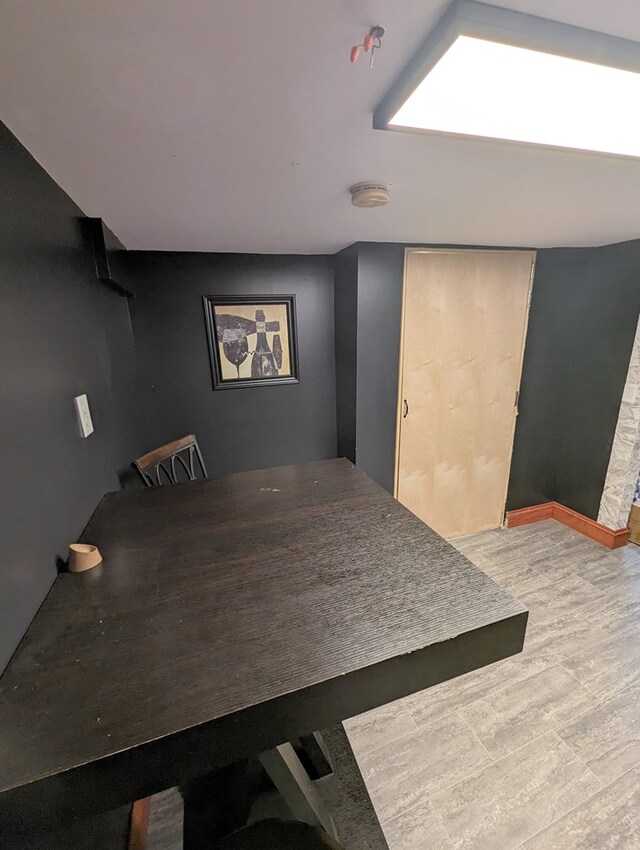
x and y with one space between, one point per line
228 616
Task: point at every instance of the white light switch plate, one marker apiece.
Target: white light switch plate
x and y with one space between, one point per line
84 415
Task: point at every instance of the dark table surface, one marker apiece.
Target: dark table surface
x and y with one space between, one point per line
228 616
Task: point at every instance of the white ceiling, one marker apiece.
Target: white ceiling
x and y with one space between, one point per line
201 125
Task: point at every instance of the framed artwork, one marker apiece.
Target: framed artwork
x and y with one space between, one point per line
252 340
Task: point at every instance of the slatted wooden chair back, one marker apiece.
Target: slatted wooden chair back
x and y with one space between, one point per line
172 463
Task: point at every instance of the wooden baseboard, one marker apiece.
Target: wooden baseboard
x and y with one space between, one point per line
612 539
590 528
139 824
535 513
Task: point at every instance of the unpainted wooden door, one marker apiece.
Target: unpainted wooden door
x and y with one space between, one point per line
464 326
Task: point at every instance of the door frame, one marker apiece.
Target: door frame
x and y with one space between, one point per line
422 250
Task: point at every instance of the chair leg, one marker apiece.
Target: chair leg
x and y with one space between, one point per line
287 773
218 804
361 826
139 825
313 754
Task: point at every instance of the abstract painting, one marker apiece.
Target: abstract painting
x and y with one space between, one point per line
252 340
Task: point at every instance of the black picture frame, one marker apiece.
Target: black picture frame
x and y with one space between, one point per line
269 355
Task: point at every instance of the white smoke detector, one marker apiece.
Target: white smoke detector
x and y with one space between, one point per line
368 194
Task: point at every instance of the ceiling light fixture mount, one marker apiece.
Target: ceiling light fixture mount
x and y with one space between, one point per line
493 73
371 42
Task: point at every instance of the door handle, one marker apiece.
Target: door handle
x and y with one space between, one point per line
405 412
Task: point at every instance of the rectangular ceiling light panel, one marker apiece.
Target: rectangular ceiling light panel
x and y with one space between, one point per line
492 89
483 88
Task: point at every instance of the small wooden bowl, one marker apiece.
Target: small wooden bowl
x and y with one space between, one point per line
83 556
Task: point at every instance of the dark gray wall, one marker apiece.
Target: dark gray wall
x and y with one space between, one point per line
584 313
237 429
380 276
62 333
346 348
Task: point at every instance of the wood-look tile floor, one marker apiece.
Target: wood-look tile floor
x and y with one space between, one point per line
537 752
